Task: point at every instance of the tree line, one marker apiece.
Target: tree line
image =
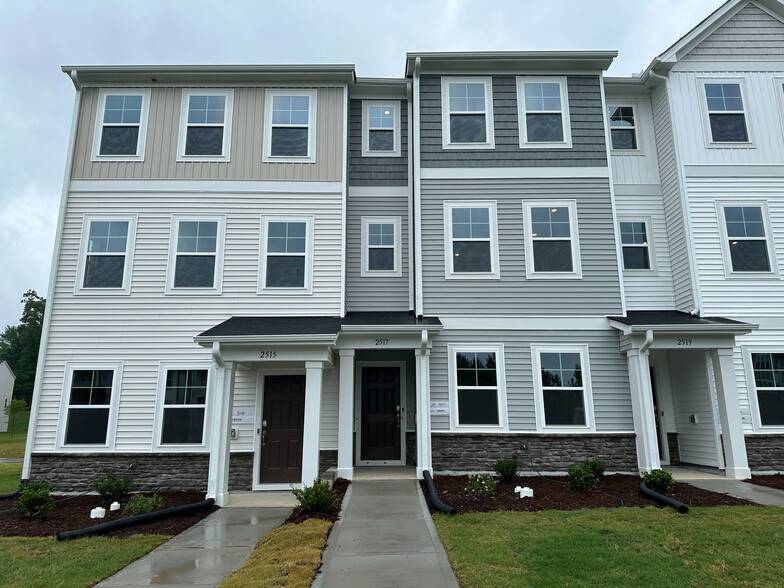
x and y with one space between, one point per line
19 345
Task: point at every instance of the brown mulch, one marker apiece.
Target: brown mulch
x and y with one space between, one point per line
340 485
614 491
74 513
771 481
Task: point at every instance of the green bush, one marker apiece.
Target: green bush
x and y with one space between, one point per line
581 477
112 487
659 481
139 504
35 501
597 467
316 498
481 484
508 468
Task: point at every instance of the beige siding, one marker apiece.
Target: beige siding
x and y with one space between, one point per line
160 160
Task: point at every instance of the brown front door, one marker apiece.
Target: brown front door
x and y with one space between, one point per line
282 426
380 413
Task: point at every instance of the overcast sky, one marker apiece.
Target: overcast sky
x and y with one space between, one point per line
37 37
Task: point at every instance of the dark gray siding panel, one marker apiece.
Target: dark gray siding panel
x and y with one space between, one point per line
585 112
597 293
375 171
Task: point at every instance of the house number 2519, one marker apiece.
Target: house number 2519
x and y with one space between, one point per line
686 342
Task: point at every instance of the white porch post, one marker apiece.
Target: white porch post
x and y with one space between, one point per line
310 442
642 409
729 410
424 450
346 415
220 406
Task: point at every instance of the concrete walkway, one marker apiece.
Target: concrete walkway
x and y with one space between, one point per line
205 554
384 537
11 460
715 482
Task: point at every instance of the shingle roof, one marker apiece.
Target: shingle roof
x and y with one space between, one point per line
673 317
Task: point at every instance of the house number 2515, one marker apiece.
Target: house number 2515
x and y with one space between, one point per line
268 355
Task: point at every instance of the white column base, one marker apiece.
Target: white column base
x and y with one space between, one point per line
738 473
347 473
222 499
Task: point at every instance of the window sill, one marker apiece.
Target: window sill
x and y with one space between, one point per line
768 276
553 276
563 145
284 292
469 146
97 158
566 430
203 158
381 154
192 292
288 159
730 145
201 448
102 292
626 152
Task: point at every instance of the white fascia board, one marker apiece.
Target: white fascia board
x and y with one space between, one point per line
713 329
207 186
390 328
328 339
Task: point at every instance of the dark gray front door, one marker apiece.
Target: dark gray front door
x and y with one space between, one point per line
281 439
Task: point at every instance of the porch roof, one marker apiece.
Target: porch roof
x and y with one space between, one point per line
657 320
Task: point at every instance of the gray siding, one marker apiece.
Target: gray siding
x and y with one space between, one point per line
597 293
376 171
609 376
751 34
587 125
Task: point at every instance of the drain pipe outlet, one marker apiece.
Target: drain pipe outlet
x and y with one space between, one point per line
431 490
677 505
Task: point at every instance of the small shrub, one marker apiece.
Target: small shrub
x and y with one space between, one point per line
139 505
481 484
508 468
112 487
597 467
316 498
581 477
659 481
35 501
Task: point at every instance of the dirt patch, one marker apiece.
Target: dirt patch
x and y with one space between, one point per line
71 513
771 481
553 494
340 486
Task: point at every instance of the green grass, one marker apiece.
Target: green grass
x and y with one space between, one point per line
720 546
13 445
9 477
44 562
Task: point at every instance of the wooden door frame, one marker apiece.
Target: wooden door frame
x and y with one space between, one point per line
358 413
260 376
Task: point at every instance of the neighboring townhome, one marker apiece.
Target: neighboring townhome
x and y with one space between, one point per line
7 380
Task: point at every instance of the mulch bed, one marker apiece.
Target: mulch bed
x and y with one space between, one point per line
74 513
339 486
614 491
771 481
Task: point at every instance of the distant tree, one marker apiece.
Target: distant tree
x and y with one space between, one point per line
19 344
13 411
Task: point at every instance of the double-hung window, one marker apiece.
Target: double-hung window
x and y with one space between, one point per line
746 245
106 255
381 246
635 243
205 125
543 112
380 128
287 255
623 128
290 126
121 124
725 110
196 255
477 387
90 397
562 386
551 240
471 240
769 386
184 401
467 113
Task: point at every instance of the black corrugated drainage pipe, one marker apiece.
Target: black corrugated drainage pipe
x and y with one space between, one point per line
431 490
133 521
12 495
679 506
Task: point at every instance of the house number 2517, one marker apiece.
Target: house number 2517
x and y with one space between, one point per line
382 342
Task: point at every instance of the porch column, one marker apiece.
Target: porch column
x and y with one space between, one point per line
729 411
310 441
424 450
219 409
346 415
642 410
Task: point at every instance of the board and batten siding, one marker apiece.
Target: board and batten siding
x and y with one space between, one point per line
375 293
597 293
160 159
376 171
609 375
585 113
639 166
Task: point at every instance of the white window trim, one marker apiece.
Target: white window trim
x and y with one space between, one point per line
366 222
225 154
503 419
366 105
536 363
635 106
651 247
307 289
160 405
450 274
778 89
111 427
97 131
725 248
311 156
130 244
446 128
565 117
709 142
577 269
217 284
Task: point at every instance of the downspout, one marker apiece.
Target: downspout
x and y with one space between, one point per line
344 205
39 370
648 340
418 297
411 260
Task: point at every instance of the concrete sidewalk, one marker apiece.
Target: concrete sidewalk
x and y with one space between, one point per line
384 537
715 482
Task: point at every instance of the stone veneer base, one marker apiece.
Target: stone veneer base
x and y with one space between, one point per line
765 453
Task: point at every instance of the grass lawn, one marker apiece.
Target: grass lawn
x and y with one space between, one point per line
719 546
44 562
14 445
9 477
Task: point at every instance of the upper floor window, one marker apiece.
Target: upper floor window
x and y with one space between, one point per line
746 245
471 240
290 126
121 124
635 244
551 243
381 246
543 112
205 125
623 128
562 387
380 128
106 255
477 387
769 385
726 114
196 255
90 393
287 255
467 113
